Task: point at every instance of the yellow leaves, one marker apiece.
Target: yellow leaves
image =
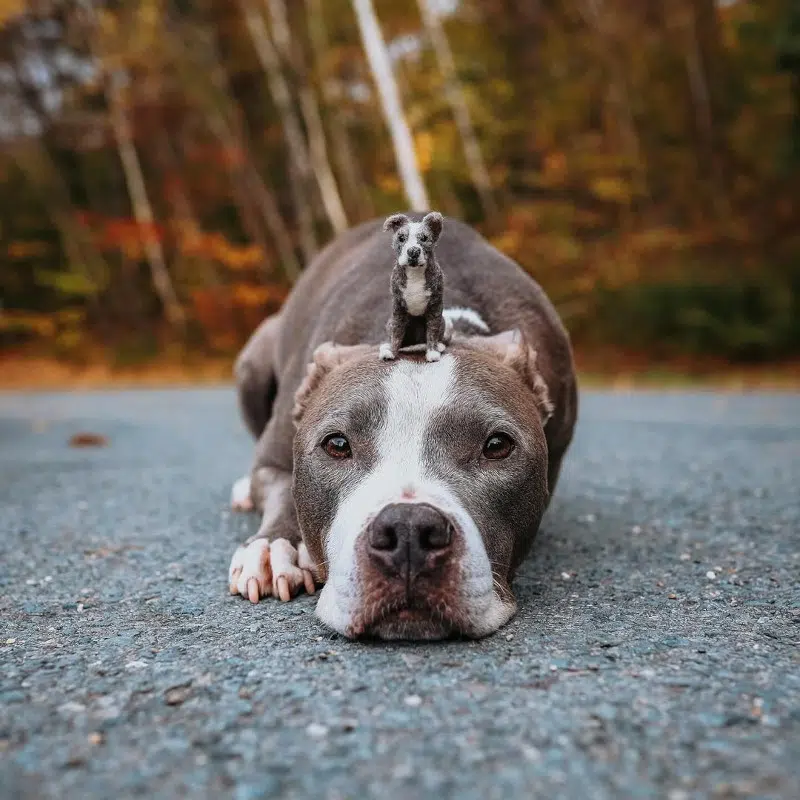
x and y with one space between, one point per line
251 296
612 189
508 242
389 183
11 8
424 144
215 246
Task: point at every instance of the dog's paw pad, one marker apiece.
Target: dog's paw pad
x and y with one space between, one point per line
240 495
385 353
250 574
288 577
432 355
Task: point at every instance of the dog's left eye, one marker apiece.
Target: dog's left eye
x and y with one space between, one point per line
422 238
498 446
337 446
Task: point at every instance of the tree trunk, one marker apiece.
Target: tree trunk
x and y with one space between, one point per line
140 203
457 101
309 106
381 67
598 17
350 173
299 163
253 198
246 184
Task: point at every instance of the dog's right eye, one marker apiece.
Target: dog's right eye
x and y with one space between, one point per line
401 238
337 446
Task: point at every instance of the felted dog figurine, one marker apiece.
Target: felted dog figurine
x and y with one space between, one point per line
417 285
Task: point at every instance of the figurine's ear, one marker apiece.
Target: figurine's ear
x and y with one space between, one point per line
395 222
434 222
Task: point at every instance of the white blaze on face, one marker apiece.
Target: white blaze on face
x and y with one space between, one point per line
414 229
416 392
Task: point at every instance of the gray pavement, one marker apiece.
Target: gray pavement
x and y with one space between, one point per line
655 653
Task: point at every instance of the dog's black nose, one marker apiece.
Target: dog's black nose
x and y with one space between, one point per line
406 539
414 253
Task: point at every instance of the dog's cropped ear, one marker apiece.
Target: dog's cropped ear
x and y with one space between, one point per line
434 222
511 349
326 358
395 222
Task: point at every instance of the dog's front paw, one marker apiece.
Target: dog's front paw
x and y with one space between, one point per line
264 568
288 577
441 347
432 355
250 574
241 499
385 353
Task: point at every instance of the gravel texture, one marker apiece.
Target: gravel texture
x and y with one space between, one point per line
655 653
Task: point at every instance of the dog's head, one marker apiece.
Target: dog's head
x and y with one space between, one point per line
418 486
413 242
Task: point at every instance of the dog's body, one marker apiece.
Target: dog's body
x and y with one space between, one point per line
413 490
417 287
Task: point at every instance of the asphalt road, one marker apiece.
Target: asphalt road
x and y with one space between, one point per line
655 653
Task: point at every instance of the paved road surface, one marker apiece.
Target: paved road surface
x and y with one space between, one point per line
655 653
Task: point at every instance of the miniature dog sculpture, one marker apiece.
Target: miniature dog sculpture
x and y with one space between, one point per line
417 286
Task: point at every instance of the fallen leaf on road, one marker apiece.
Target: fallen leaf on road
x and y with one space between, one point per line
88 440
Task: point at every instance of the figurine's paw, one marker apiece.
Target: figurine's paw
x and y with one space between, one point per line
240 495
385 353
441 347
432 355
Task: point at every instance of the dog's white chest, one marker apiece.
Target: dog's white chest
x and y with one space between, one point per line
415 294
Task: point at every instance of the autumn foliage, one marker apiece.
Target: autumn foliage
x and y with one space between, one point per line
168 167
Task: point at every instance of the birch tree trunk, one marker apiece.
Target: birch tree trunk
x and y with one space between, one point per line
457 101
299 163
309 106
140 202
381 67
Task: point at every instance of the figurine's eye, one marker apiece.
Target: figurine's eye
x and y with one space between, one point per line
401 237
421 237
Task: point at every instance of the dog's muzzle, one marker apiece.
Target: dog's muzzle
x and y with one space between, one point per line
408 540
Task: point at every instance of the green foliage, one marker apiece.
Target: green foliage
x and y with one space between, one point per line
742 321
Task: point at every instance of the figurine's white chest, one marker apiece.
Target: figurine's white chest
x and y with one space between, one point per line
415 293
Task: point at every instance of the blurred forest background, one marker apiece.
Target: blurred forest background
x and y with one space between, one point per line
169 166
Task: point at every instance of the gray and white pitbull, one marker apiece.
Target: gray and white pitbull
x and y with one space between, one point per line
412 490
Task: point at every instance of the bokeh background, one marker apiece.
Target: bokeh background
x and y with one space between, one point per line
168 166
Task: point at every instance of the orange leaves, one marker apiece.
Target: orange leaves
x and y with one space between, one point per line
125 234
216 247
228 314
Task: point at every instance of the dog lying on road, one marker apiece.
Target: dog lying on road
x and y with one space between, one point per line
411 490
